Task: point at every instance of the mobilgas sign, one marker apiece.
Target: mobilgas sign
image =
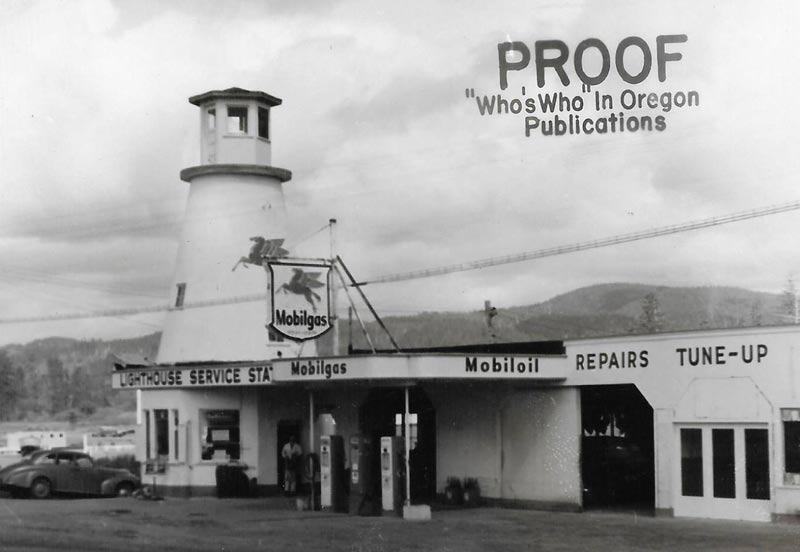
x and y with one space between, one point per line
300 305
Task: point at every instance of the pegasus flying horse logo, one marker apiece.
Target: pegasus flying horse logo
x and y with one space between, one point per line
302 283
294 286
261 249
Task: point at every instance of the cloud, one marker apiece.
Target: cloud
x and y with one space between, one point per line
378 132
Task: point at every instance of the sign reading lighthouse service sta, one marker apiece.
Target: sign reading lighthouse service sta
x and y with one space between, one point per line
300 299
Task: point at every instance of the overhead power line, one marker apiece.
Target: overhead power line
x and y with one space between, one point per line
582 246
462 267
135 310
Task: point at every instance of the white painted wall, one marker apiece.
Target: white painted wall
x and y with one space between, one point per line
468 440
190 469
223 212
541 446
521 445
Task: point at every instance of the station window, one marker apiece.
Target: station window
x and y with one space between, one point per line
147 430
791 444
211 119
181 294
237 120
274 336
219 435
756 463
161 431
263 122
692 462
175 434
724 465
412 427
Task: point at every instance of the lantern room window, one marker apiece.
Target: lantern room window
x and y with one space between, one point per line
263 123
237 120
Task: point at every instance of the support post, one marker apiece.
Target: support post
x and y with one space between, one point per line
310 421
407 431
310 462
369 305
361 322
335 316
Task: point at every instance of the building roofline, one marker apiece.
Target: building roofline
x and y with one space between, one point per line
515 348
676 334
235 94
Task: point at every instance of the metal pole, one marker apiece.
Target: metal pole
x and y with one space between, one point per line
335 316
408 450
310 421
310 462
349 298
369 305
349 329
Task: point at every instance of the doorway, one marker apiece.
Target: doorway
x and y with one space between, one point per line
723 472
381 415
286 428
617 448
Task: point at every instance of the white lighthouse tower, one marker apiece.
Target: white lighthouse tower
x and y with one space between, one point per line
235 195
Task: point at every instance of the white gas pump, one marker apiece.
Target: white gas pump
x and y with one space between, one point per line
331 471
392 474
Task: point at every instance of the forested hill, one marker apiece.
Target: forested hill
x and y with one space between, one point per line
66 379
70 379
600 310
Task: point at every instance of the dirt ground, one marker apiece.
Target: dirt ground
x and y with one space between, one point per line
199 524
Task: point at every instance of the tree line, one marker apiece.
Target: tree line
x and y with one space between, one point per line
27 393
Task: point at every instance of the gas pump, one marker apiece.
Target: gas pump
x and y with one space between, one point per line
332 474
392 474
363 477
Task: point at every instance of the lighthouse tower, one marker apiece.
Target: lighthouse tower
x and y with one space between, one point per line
219 313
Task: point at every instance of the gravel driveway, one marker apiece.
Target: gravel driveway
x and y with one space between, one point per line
197 524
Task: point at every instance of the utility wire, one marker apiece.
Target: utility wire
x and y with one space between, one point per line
485 263
581 246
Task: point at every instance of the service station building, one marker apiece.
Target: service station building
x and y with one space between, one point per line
700 424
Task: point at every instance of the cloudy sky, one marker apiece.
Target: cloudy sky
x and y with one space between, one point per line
379 133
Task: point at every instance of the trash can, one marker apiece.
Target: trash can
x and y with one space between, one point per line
232 481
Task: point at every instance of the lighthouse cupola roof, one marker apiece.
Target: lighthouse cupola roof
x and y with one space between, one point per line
235 93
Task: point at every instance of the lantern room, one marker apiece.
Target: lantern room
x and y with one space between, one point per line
235 126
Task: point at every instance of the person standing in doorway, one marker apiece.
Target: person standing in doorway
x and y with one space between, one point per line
291 453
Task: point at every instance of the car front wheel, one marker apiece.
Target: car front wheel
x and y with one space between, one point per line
41 488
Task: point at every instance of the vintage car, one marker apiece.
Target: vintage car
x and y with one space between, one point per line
46 472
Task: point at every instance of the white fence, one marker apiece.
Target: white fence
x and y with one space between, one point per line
109 446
